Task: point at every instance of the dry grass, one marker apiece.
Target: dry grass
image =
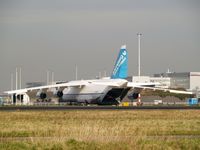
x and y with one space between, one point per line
141 129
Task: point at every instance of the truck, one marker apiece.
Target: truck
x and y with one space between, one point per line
1 101
192 101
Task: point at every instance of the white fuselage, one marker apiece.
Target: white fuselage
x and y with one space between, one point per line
94 91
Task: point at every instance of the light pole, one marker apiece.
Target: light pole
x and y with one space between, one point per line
139 96
76 72
20 78
47 77
139 35
16 79
52 77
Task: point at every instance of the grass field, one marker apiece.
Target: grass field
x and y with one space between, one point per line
100 129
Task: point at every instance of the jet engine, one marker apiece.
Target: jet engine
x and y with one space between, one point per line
58 93
20 96
41 95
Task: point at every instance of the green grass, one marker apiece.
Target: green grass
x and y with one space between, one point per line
100 129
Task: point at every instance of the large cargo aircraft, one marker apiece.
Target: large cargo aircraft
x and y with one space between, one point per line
99 91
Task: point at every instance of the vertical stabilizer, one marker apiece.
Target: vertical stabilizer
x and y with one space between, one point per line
120 70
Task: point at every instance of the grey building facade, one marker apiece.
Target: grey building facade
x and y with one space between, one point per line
186 80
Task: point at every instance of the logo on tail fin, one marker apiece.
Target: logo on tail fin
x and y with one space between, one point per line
121 66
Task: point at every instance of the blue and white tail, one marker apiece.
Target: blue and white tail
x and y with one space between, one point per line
120 70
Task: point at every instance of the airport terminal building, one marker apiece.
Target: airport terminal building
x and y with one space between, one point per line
186 80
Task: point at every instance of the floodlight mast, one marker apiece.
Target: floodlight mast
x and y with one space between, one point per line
20 78
47 77
139 96
16 79
11 81
139 36
76 72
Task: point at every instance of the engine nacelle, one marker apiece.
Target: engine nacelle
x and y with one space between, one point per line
41 95
20 96
58 93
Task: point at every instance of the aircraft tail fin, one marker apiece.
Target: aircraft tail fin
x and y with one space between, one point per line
120 70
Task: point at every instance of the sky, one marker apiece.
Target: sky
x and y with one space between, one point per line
41 35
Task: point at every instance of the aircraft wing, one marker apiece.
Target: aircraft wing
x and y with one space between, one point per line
140 88
46 87
78 84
